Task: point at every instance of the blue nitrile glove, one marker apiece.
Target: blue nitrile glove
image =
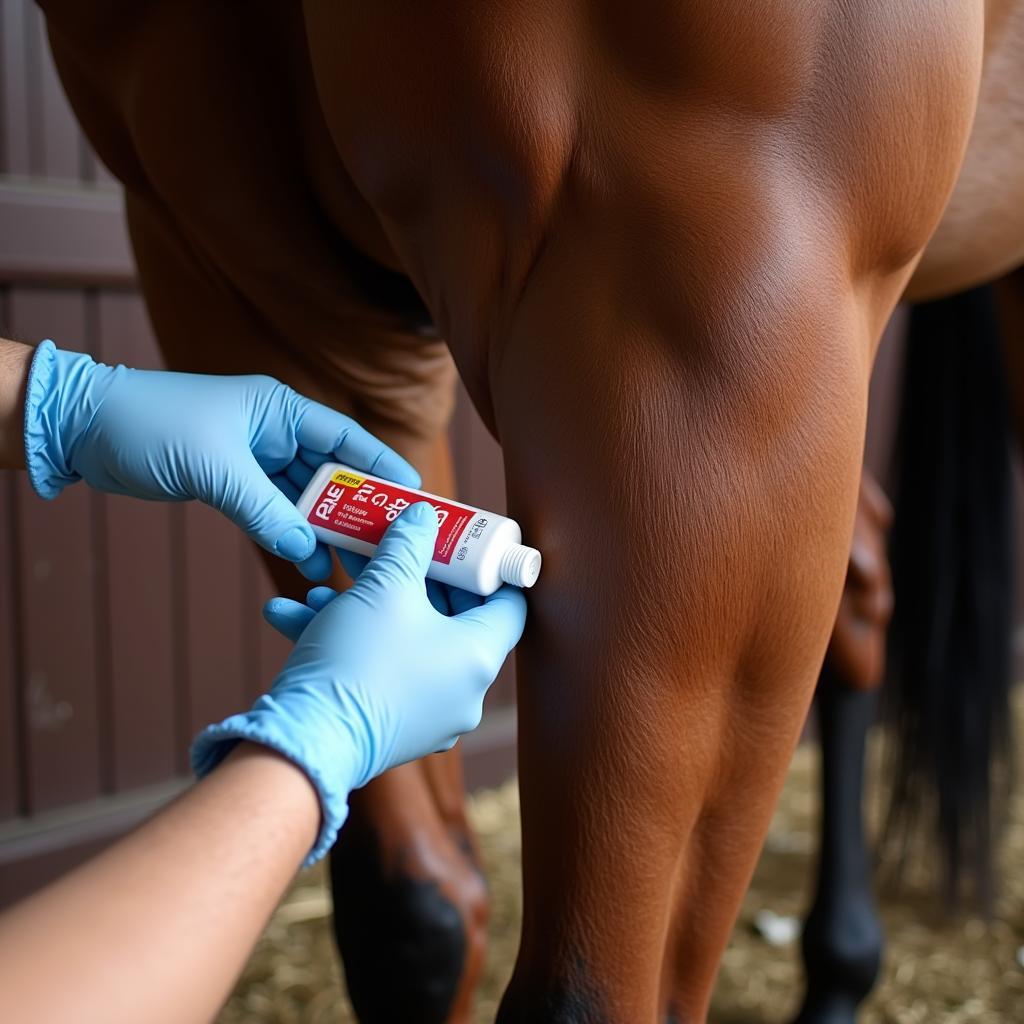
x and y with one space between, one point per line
228 441
378 677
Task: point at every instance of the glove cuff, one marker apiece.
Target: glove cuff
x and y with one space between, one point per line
56 384
262 725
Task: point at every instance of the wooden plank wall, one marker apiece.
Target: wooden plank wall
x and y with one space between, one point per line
10 757
56 590
124 626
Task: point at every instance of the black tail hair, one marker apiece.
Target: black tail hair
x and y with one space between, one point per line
951 548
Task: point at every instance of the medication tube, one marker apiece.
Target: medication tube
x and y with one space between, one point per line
476 550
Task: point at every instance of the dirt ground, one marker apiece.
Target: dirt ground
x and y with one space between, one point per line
965 971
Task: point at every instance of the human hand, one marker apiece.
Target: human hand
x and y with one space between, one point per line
228 441
379 675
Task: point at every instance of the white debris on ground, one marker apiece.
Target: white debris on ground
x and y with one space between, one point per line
777 929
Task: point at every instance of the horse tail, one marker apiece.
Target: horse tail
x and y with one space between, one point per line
946 700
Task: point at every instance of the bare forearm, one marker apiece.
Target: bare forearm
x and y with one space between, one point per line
15 360
158 927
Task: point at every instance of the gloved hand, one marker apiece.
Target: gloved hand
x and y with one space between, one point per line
379 675
228 441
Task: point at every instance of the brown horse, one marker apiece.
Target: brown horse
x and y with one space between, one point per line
660 242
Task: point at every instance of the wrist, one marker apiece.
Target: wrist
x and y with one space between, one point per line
326 754
282 786
56 414
15 361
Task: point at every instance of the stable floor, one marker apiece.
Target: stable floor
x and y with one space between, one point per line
935 972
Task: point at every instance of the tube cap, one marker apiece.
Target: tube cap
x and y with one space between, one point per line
520 565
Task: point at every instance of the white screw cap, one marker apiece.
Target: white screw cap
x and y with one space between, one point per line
520 566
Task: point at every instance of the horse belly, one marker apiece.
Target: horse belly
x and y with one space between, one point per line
981 234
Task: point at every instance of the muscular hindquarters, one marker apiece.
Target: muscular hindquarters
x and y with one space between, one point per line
661 269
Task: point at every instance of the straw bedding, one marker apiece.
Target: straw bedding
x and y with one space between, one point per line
935 971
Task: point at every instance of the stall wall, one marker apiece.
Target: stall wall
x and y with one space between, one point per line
124 626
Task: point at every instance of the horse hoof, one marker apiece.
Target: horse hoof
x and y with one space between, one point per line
405 926
828 1010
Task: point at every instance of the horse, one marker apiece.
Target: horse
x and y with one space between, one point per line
659 242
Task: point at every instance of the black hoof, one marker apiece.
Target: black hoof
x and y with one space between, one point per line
835 1009
842 956
402 941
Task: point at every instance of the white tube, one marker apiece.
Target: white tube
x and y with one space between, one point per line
476 550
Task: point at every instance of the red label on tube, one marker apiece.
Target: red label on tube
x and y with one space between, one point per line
363 508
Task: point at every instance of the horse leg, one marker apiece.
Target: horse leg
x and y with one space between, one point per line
842 939
664 678
408 889
410 904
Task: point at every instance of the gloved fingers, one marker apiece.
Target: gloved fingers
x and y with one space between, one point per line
321 429
462 600
255 503
286 487
474 714
314 459
352 563
437 595
320 597
319 565
497 624
298 474
406 548
288 617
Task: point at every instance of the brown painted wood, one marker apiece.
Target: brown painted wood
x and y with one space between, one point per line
14 104
31 42
137 558
61 139
63 236
253 596
273 648
9 767
57 602
95 170
214 607
53 133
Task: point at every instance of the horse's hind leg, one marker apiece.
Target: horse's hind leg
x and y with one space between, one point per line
842 941
692 569
410 898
